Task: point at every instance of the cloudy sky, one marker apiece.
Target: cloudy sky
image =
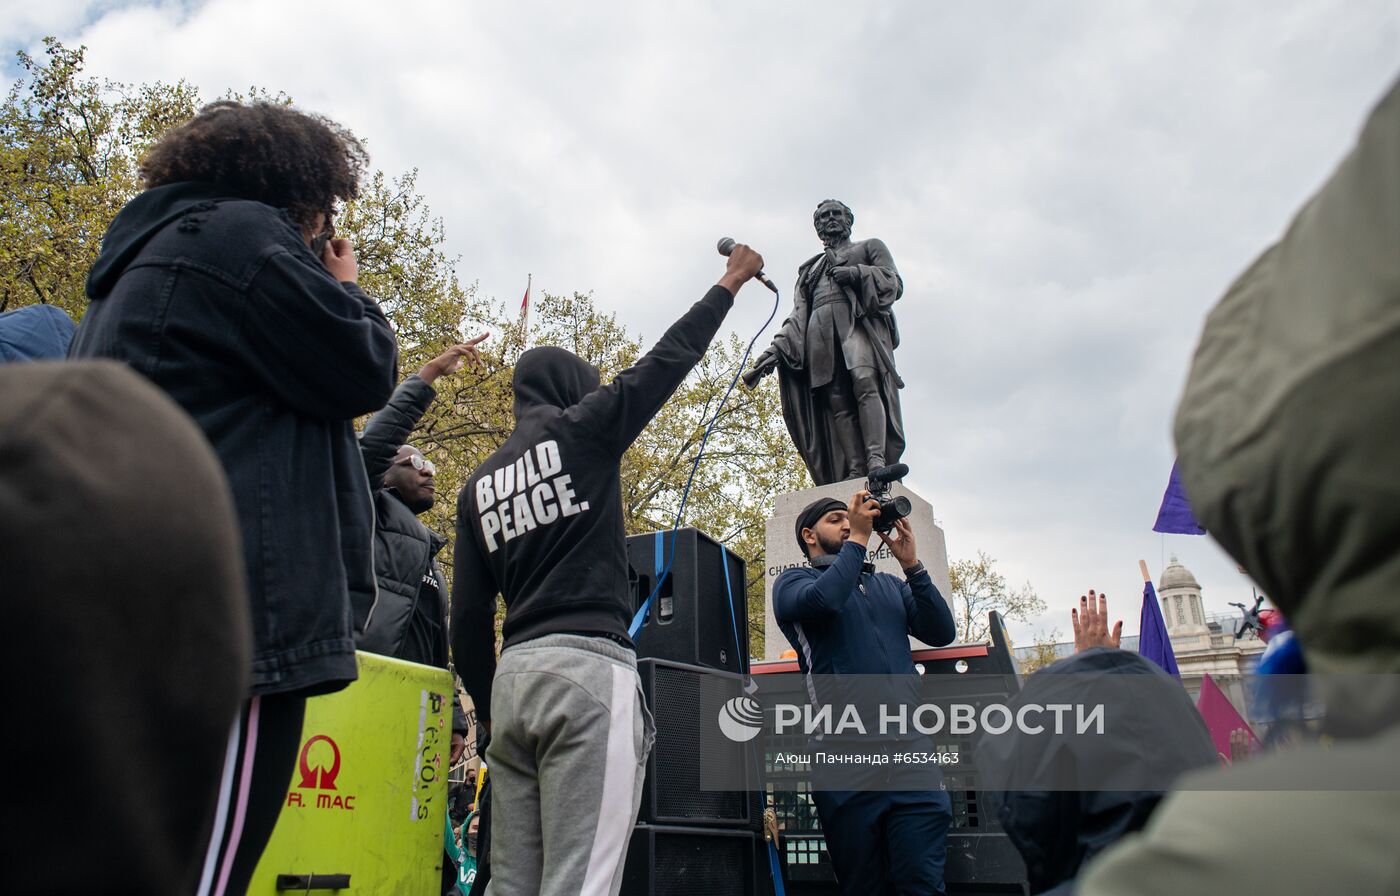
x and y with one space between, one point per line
1066 188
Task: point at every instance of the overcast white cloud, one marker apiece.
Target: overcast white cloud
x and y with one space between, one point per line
1066 188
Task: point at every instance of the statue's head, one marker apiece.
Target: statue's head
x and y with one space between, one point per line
833 221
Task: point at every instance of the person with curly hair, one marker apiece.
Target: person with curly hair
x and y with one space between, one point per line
223 284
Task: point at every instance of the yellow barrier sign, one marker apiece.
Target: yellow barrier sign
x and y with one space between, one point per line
366 803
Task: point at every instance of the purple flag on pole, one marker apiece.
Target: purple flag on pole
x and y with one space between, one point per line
1153 642
1175 516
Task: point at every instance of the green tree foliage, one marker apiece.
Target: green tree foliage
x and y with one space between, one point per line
1042 652
70 147
403 264
978 589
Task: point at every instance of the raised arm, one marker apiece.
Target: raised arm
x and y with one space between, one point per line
801 598
622 408
390 427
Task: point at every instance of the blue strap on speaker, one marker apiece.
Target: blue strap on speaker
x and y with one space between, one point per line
640 619
729 599
776 868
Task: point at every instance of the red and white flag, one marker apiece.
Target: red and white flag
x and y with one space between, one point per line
525 305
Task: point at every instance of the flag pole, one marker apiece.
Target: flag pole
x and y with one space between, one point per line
525 312
1154 641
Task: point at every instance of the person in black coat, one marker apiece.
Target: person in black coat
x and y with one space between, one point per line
207 283
1062 799
408 619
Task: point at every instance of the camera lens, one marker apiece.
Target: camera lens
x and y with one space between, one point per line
892 509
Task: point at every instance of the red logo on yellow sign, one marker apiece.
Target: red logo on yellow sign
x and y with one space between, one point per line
320 775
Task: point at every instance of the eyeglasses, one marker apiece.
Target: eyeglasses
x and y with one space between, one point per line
419 463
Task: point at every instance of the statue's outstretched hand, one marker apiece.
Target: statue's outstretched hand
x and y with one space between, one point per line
763 365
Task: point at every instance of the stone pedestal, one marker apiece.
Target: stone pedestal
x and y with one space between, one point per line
781 550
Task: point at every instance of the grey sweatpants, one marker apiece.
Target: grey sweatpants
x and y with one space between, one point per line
569 742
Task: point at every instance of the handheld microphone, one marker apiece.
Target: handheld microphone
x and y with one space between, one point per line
892 507
892 473
726 245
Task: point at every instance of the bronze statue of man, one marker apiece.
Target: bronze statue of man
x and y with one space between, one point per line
835 355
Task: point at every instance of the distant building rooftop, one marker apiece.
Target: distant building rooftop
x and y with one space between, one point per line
1177 576
1222 623
1174 578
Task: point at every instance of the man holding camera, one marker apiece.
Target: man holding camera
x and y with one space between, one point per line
843 618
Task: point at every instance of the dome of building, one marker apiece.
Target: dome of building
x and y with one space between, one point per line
1177 576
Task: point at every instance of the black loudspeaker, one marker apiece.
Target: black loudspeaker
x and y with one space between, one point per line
700 615
676 861
679 696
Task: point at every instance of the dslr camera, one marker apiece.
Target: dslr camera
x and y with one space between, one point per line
893 508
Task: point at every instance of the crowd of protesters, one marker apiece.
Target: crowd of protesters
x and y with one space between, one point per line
223 286
189 512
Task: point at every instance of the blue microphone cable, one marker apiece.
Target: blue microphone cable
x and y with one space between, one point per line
640 619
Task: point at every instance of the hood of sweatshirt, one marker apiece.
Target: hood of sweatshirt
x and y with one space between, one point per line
138 221
1288 431
551 377
34 333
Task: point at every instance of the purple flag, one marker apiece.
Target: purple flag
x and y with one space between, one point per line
1175 516
1153 642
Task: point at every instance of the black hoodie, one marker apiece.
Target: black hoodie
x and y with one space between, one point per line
540 522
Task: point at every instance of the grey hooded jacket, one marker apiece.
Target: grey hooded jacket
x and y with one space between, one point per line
1289 442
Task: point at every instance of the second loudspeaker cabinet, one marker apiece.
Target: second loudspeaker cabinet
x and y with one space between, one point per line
679 861
681 698
700 615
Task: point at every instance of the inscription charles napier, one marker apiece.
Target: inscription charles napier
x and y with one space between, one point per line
882 554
